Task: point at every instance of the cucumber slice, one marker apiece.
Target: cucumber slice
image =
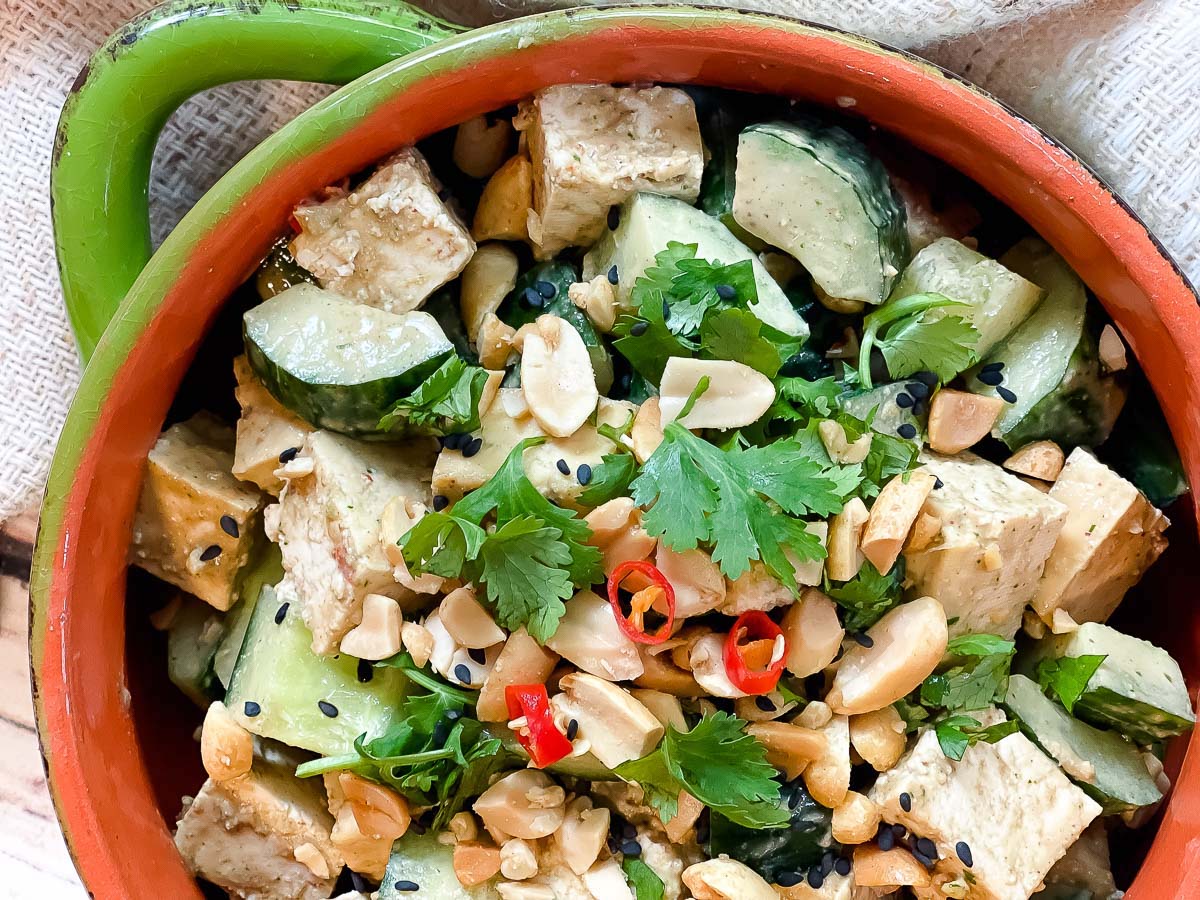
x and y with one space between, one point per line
1138 689
280 271
516 310
1050 361
192 641
814 191
890 417
1105 765
340 365
649 222
265 571
278 671
443 305
997 300
419 859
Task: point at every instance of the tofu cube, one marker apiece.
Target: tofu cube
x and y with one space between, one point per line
389 243
756 588
327 526
243 836
594 146
1111 536
265 429
996 534
1015 809
196 524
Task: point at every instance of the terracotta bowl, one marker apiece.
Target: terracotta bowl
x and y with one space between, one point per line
116 738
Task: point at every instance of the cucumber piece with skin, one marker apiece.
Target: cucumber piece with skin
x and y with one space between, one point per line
1138 690
648 222
340 365
280 271
1105 765
263 572
997 300
814 191
889 416
278 671
419 859
192 641
773 851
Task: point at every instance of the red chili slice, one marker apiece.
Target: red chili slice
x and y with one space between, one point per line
633 625
540 737
749 651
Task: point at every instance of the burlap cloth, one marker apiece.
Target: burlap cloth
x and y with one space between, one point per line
1117 80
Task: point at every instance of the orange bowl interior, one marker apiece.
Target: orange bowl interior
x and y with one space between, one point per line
118 766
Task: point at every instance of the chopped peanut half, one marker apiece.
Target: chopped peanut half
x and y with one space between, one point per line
892 517
1041 459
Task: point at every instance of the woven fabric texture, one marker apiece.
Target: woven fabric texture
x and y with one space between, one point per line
1115 79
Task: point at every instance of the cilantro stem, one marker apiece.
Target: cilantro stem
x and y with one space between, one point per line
697 393
887 315
432 684
348 761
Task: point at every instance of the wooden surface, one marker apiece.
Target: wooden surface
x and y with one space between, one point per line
33 858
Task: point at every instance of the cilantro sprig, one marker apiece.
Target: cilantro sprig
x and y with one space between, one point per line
868 595
718 764
1067 678
445 402
911 339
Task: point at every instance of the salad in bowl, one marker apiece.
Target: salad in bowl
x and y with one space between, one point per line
651 492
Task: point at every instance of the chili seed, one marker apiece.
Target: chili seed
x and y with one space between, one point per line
533 299
631 848
327 708
210 553
907 431
906 802
863 640
993 367
546 289
918 389
462 673
788 879
477 655
963 852
288 455
614 217
406 887
229 525
572 729
440 502
281 613
886 840
637 329
904 401
472 447
842 866
815 879
765 704
365 671
927 847
1006 395
726 291
563 467
612 275
993 378
584 473
251 709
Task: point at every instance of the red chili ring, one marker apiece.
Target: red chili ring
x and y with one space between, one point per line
541 738
755 626
619 574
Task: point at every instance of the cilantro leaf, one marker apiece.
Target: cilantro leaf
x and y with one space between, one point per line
645 883
809 398
693 291
868 595
610 479
913 714
913 334
446 401
718 764
979 645
975 684
888 457
522 566
956 733
649 350
1068 676
441 544
738 334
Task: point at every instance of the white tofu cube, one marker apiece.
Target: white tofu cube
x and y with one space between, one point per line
389 243
195 524
243 834
327 526
265 429
997 531
1012 806
595 145
1111 536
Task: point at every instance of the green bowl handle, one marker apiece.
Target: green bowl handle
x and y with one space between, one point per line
123 97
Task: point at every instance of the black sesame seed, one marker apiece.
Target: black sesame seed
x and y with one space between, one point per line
462 673
919 408
926 861
441 731
795 797
863 640
614 217
455 441
406 887
478 655
918 389
906 802
1006 395
815 879
842 866
926 377
826 863
887 840
546 289
288 455
963 850
229 525
612 275
788 879
993 367
666 310
765 704
898 831
210 553
631 848
584 473
927 847
938 484
365 671
359 883
472 447
625 381
563 467
251 709
992 378
904 401
327 708
637 329
440 502
533 299
572 729
726 292
281 613
628 830
907 431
